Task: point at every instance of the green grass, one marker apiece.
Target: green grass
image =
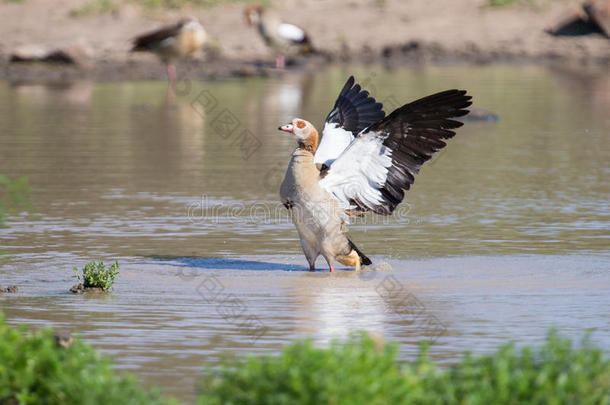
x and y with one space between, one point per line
34 369
535 4
93 7
501 3
360 371
182 3
97 275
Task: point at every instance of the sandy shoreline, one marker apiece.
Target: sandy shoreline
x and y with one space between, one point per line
393 32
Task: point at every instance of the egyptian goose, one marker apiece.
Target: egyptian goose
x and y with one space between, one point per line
172 42
363 163
281 37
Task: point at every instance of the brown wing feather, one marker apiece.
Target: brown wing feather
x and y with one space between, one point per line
151 40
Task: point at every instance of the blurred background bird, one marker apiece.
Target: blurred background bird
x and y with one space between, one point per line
172 42
282 37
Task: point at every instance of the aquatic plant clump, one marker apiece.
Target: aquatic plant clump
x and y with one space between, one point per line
363 371
96 275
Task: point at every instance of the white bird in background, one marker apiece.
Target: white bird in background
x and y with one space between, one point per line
172 42
363 163
281 37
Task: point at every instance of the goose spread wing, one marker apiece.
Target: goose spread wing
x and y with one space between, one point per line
381 162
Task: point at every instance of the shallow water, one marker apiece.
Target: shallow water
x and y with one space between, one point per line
504 234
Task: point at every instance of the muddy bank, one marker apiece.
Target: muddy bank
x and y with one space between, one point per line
81 289
392 31
411 53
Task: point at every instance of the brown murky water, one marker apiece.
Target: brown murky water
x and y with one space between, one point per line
504 235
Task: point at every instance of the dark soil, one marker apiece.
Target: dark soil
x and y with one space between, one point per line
81 289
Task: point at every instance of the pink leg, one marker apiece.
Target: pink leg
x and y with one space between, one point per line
171 73
330 264
280 62
312 267
171 89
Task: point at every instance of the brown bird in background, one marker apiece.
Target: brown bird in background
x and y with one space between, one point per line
172 42
279 36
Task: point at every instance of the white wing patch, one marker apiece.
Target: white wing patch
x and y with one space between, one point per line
167 42
291 32
359 173
334 141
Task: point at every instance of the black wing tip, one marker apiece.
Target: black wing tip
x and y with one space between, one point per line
347 86
363 259
458 124
445 105
454 94
350 86
140 43
355 109
459 92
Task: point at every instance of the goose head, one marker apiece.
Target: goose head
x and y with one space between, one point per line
253 13
305 133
